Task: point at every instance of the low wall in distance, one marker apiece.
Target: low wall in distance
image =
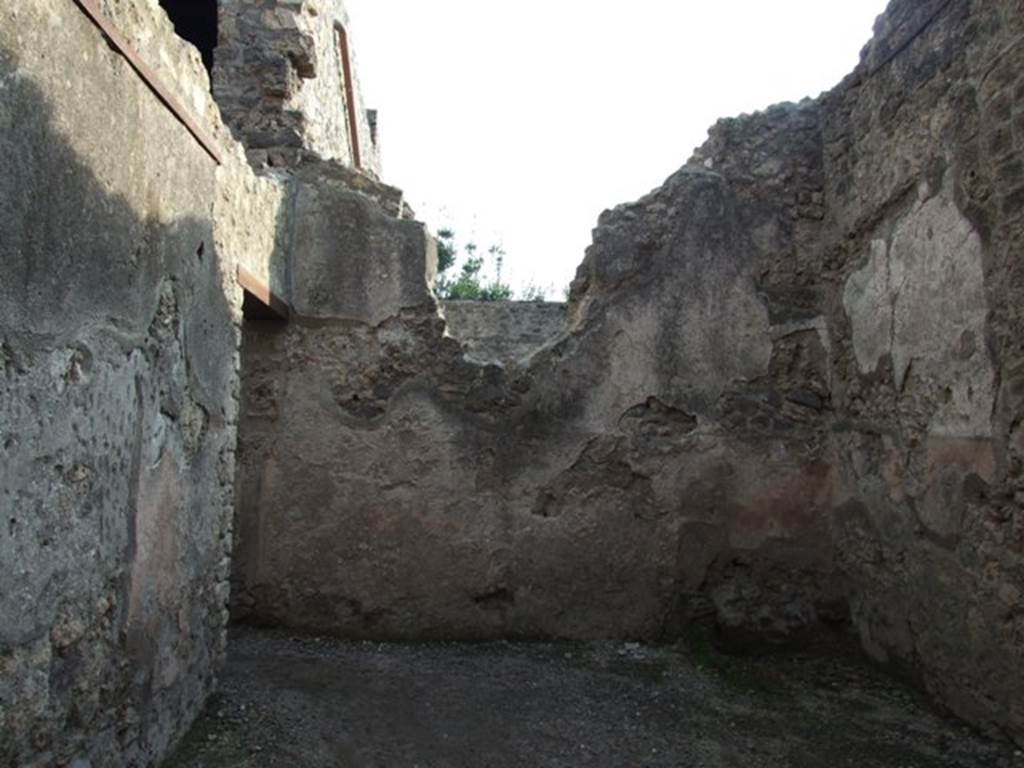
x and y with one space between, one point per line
504 331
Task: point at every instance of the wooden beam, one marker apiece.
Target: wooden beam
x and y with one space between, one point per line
121 45
269 302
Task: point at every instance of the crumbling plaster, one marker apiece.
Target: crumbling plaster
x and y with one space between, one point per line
119 325
782 402
788 395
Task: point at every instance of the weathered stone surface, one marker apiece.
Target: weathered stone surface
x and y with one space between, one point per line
920 300
790 391
504 332
279 82
606 490
790 395
352 260
118 385
924 332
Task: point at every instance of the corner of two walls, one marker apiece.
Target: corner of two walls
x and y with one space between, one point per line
360 275
925 191
790 396
903 266
119 328
648 469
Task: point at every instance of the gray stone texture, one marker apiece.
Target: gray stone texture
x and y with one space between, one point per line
504 332
119 315
278 80
351 259
922 262
789 393
788 398
621 485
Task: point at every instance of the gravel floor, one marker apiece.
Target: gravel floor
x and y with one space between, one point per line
314 702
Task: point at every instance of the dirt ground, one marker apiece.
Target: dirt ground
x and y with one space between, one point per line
308 702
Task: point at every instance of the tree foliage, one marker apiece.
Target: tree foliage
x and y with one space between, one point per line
469 281
533 292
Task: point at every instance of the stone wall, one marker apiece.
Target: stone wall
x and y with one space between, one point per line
505 332
119 316
603 491
789 393
278 79
925 192
788 399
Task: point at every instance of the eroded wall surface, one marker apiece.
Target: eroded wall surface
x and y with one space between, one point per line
924 147
279 80
788 398
119 317
665 461
504 332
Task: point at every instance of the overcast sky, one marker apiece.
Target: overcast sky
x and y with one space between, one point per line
519 122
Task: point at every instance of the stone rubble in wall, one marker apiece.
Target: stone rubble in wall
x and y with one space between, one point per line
731 429
731 432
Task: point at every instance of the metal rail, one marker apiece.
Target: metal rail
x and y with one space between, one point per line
121 45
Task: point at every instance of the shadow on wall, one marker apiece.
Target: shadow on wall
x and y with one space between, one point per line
117 363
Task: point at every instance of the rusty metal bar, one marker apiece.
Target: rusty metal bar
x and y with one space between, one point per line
261 292
350 94
121 45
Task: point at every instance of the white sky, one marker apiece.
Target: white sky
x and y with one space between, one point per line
519 122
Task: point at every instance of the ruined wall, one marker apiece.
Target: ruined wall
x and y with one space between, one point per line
664 462
278 79
788 399
896 251
505 332
119 322
924 160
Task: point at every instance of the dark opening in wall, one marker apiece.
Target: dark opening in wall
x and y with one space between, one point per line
196 22
259 302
